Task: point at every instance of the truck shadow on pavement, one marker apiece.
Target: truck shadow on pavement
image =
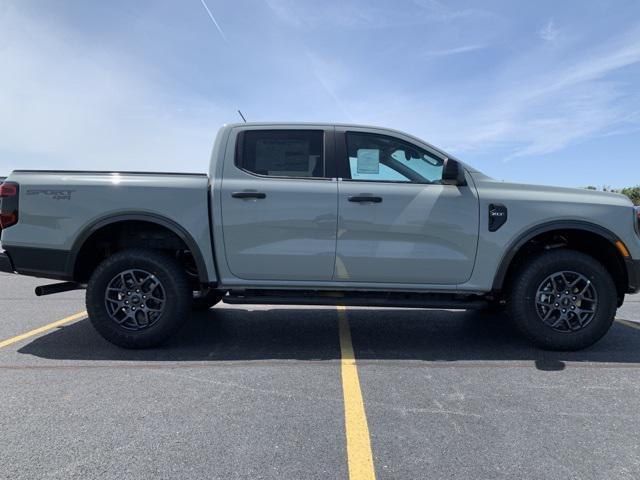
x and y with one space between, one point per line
239 334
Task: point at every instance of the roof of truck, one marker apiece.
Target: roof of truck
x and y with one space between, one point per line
333 124
315 124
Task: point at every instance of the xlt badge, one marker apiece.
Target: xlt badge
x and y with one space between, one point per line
497 216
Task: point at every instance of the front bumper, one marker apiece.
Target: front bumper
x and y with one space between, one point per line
5 263
633 275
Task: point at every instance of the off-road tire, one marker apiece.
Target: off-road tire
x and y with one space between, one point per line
521 305
177 305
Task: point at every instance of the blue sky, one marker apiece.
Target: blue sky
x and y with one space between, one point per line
539 92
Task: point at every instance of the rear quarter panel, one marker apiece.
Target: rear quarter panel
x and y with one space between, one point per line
57 208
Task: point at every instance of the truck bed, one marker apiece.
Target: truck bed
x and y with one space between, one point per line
59 209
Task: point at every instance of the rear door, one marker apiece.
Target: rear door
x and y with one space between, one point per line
279 205
397 222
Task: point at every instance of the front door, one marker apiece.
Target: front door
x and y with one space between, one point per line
397 222
279 206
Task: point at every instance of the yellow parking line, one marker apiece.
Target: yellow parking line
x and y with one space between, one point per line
42 329
359 456
628 323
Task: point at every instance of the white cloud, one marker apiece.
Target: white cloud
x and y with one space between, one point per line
533 105
549 32
438 11
571 101
455 50
67 104
354 14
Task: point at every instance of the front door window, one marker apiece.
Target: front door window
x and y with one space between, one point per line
382 158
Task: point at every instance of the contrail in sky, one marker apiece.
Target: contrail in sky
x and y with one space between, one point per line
224 37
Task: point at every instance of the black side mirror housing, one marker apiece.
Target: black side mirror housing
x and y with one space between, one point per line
453 173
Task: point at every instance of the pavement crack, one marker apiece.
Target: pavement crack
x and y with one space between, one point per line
261 391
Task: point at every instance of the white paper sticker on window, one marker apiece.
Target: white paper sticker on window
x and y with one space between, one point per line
368 160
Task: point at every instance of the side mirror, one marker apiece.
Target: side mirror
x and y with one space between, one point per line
453 173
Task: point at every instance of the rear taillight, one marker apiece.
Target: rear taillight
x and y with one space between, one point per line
9 196
8 189
637 209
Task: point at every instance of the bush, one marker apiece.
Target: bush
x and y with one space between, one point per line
633 193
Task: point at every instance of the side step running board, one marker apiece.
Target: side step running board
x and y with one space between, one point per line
357 299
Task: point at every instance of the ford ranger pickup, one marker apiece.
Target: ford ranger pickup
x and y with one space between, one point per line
322 214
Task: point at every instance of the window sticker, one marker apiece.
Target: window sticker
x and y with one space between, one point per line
279 156
368 161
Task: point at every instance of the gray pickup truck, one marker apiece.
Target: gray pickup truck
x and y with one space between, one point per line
322 214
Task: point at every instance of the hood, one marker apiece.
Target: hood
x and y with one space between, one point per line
549 193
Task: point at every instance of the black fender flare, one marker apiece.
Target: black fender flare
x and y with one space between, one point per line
143 217
523 238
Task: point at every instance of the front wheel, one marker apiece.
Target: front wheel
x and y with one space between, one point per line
563 300
138 298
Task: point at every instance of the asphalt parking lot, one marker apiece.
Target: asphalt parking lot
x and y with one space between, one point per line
261 392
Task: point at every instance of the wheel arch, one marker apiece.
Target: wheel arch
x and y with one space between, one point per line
147 217
516 247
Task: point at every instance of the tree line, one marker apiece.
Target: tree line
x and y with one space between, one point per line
632 192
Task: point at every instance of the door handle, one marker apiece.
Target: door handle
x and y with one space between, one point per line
249 195
365 199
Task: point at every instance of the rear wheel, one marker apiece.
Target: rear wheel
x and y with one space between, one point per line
138 298
563 300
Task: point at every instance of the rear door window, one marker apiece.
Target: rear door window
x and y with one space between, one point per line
282 153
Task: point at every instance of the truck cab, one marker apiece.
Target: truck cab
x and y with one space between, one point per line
341 205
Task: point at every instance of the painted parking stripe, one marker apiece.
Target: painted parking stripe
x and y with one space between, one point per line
359 457
628 323
43 329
